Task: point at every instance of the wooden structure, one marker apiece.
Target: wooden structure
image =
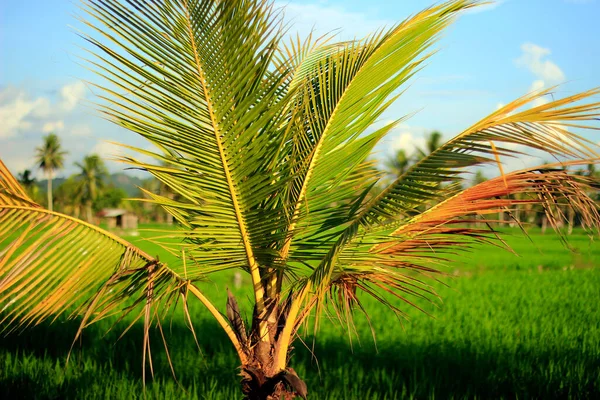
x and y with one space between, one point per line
119 218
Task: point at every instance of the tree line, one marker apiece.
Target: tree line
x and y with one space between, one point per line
396 165
88 191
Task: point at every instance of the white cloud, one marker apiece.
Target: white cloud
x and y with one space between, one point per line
112 152
537 86
406 140
80 130
20 112
546 72
71 95
53 126
534 58
403 137
17 109
107 150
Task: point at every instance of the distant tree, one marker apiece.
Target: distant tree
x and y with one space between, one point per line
267 145
50 157
479 177
397 164
68 196
432 142
26 179
92 175
110 197
29 182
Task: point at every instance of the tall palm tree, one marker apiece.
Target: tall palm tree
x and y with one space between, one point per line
259 138
398 163
92 174
50 157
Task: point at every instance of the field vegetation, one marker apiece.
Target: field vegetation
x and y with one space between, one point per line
509 326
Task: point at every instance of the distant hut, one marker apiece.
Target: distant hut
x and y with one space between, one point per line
118 218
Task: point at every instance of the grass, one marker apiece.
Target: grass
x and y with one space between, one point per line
508 327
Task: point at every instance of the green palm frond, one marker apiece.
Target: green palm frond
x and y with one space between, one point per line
201 90
542 128
11 193
343 96
402 259
52 264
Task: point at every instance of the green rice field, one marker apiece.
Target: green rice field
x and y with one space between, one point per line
508 326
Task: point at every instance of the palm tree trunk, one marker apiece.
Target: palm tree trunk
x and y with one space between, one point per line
49 191
259 384
272 388
262 378
88 211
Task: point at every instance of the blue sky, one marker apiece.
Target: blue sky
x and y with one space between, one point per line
487 58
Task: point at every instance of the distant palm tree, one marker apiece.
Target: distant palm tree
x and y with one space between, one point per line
397 164
432 142
50 157
68 196
479 178
29 182
26 179
93 172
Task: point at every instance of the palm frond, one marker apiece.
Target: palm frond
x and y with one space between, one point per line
11 192
194 78
396 262
343 96
541 128
52 264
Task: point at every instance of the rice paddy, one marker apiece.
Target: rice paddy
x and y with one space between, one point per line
509 326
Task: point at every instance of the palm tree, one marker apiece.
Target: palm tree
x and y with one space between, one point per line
68 197
397 164
27 180
29 183
92 175
258 139
432 142
50 157
479 177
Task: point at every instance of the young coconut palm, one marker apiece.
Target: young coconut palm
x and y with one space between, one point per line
92 174
265 145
